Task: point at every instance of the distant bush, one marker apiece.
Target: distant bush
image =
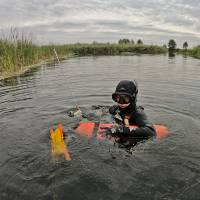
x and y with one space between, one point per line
116 49
195 52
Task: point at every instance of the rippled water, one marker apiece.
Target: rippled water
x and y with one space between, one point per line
169 89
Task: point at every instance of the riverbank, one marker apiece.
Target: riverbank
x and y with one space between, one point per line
18 53
21 70
115 49
19 56
195 52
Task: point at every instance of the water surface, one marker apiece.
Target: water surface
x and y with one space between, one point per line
169 90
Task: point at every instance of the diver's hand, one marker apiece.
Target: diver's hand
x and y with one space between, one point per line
126 122
76 113
118 131
109 131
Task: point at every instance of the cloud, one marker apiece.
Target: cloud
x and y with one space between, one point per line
105 20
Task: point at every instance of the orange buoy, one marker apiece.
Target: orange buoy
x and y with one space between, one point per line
87 128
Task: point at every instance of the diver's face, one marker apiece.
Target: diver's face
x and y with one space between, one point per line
123 105
122 99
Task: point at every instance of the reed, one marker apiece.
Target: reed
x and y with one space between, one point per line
18 51
195 52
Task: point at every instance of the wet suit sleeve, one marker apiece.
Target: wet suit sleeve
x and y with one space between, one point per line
145 129
140 133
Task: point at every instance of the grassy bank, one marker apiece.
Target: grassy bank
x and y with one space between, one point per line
195 52
115 49
17 55
17 52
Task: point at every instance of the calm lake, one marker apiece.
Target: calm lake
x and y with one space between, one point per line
169 90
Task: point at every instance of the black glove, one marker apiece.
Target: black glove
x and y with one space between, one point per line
112 110
118 131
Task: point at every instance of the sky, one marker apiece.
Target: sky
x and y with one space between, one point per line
85 21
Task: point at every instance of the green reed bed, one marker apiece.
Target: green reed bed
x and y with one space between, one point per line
115 49
195 52
18 51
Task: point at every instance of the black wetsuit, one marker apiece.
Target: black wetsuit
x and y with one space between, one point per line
136 117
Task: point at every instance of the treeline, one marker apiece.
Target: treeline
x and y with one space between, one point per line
18 50
194 52
115 49
172 45
127 41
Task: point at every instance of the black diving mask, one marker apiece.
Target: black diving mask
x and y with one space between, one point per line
121 98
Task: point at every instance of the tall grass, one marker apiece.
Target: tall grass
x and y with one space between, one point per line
17 50
195 52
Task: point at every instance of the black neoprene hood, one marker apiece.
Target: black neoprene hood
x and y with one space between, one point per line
126 87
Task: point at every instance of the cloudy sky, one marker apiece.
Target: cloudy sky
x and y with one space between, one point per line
71 21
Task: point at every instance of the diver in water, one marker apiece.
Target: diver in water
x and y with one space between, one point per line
126 113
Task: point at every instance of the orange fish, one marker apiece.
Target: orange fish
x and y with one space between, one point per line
58 146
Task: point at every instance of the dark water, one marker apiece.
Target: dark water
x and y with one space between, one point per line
169 89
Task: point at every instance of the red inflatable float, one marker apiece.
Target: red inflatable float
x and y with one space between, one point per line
87 129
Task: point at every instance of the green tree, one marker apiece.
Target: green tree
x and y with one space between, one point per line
124 41
172 45
132 42
185 45
165 46
120 41
139 42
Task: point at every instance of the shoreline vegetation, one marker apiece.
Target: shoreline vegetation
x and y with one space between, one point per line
18 53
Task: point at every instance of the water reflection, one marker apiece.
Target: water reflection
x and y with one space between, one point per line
15 80
171 54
